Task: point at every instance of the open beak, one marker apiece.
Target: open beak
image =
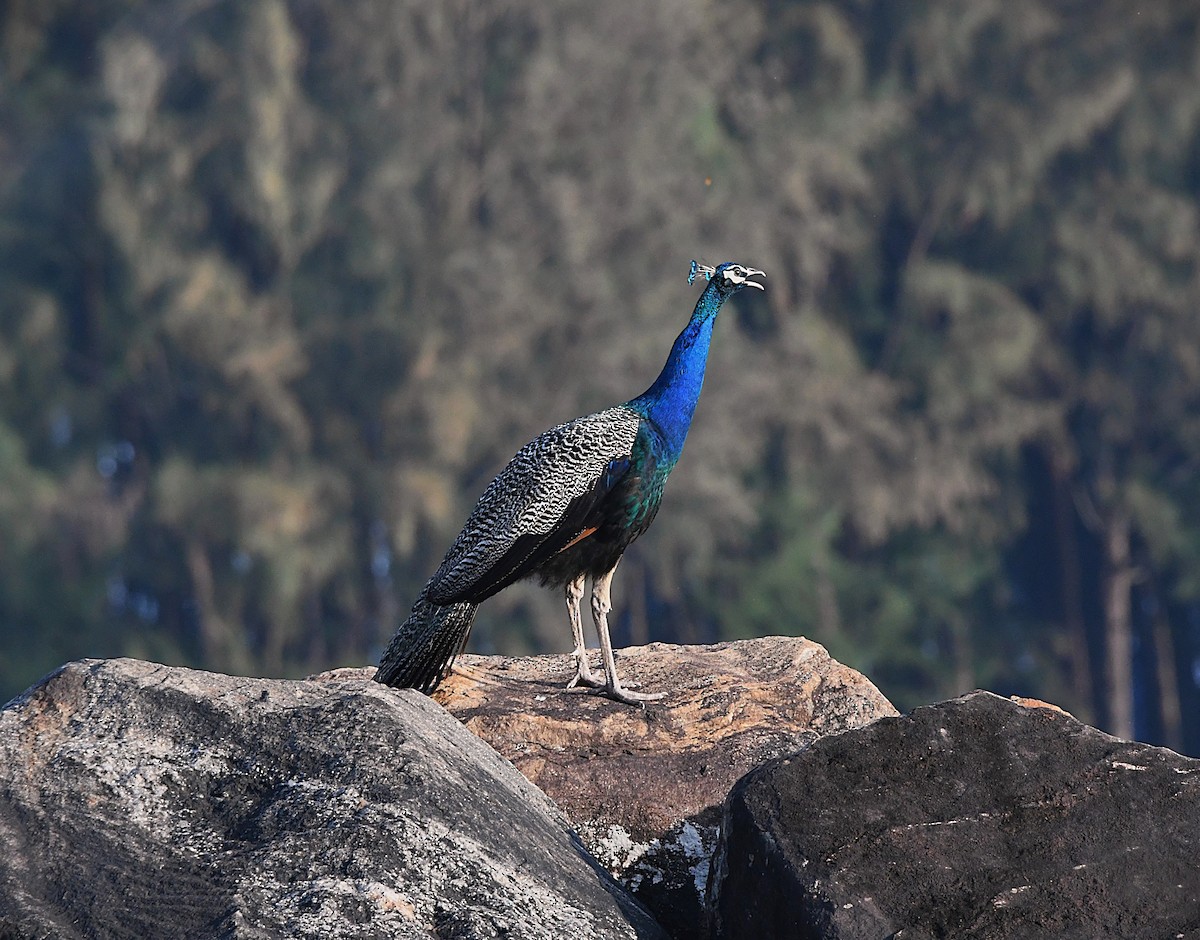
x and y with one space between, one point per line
751 272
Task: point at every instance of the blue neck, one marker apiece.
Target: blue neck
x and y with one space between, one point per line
671 400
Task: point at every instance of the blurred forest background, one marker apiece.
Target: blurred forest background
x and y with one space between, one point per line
283 284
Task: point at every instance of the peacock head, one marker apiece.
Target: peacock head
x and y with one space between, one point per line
728 278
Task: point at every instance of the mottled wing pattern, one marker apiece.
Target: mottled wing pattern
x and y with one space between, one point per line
549 483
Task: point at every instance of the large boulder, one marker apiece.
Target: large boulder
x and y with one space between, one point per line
974 818
138 800
645 786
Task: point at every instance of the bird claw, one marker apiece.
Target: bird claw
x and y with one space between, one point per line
585 677
619 694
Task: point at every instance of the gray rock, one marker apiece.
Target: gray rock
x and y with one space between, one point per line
138 801
974 818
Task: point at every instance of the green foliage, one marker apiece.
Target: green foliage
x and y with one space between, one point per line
283 284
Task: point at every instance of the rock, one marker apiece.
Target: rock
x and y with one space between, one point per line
645 786
973 818
140 800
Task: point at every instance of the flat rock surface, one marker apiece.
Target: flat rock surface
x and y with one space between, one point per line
139 800
728 708
974 818
645 785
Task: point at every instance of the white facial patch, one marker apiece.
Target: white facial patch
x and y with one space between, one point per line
737 275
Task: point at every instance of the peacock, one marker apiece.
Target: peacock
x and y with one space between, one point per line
566 507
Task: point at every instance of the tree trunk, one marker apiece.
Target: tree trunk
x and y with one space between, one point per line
963 656
1118 627
220 647
639 617
829 614
1168 683
1070 588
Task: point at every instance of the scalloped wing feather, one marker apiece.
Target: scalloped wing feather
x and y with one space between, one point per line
536 505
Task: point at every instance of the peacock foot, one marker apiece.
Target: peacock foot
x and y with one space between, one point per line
619 693
585 677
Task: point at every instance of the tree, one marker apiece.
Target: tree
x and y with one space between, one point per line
283 285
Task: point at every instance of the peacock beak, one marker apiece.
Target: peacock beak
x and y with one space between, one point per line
751 272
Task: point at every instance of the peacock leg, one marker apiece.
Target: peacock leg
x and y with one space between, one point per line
601 605
583 674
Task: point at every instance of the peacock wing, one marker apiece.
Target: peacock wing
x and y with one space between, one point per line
536 505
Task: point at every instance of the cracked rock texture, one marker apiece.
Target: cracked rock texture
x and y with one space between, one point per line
645 787
139 800
974 818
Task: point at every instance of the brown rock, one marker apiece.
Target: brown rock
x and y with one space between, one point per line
729 707
645 786
1038 703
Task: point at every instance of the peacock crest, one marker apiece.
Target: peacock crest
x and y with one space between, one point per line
698 268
